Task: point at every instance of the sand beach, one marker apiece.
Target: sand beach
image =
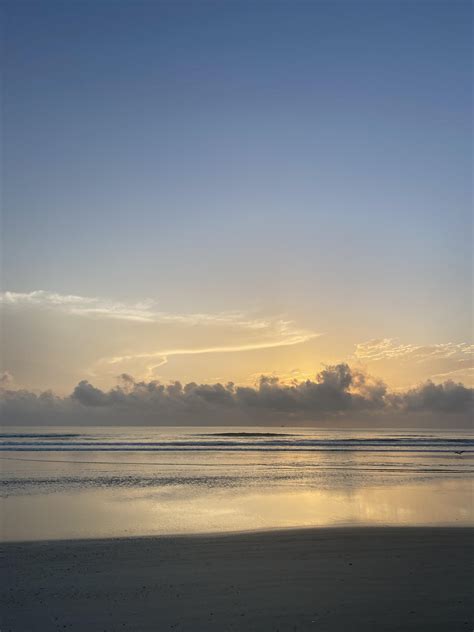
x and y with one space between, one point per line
330 580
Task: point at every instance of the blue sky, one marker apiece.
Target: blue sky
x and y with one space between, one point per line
300 160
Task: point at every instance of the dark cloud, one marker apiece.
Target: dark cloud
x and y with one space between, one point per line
88 395
337 394
449 397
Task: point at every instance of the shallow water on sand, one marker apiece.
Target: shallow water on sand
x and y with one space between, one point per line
100 482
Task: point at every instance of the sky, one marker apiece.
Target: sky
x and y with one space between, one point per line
212 191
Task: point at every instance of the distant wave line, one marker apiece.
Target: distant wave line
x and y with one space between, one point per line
7 458
386 468
234 448
239 439
50 435
343 443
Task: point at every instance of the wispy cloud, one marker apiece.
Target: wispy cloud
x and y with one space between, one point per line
79 305
272 334
389 349
463 373
145 311
163 355
232 331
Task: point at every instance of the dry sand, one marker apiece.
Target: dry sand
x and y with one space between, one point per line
354 579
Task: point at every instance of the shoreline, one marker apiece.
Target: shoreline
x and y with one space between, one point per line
298 530
330 579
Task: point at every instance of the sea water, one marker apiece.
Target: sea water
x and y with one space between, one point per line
77 482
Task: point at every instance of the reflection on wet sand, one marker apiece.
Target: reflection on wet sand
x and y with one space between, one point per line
191 509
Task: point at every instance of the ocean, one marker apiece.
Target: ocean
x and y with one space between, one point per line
84 482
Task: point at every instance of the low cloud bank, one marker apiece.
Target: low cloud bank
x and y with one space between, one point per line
338 395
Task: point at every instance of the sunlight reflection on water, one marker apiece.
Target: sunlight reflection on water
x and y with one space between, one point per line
190 509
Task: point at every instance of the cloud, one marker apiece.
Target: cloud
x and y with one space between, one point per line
147 337
338 393
6 379
78 305
445 398
143 311
388 349
459 374
411 363
277 334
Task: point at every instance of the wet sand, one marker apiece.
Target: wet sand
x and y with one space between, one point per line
353 579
